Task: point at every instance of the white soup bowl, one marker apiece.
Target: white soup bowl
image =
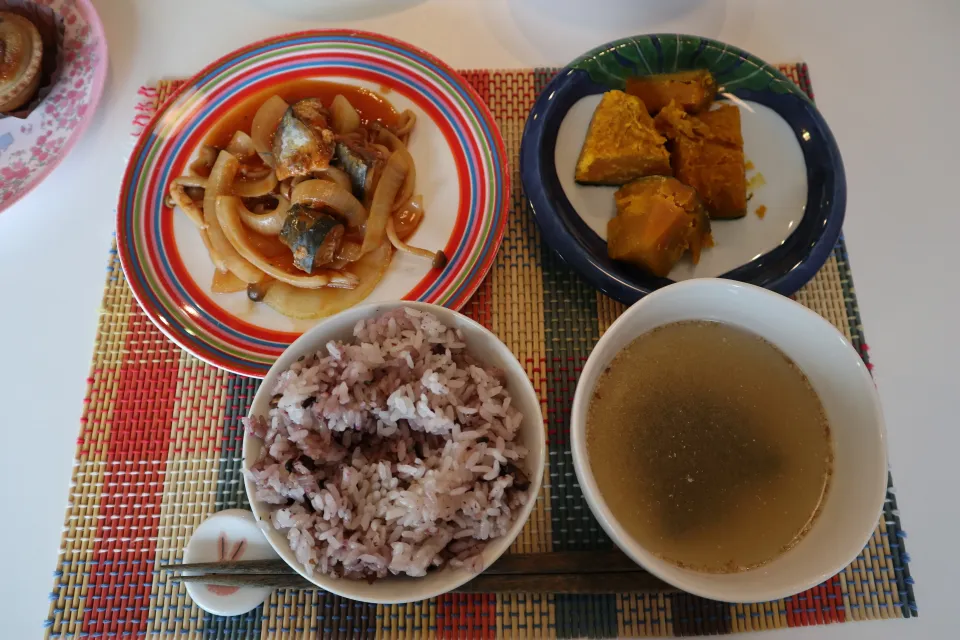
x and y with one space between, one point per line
852 506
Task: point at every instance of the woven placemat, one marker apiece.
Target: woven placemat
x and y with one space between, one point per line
159 451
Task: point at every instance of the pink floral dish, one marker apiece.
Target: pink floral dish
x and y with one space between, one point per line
31 147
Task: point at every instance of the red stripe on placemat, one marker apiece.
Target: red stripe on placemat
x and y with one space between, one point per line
834 600
483 623
865 356
797 615
479 306
445 616
819 605
490 617
470 606
520 83
816 603
459 616
118 595
479 79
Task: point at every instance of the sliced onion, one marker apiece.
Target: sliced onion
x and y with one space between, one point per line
220 265
180 198
335 175
349 251
202 165
255 188
320 303
253 172
265 123
373 178
221 183
345 117
410 181
406 122
226 283
228 214
286 188
267 159
359 136
241 146
391 180
268 223
191 181
323 193
343 280
438 258
382 149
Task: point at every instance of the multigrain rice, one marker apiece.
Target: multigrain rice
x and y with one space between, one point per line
392 454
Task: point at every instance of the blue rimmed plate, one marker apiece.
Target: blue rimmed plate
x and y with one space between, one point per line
794 170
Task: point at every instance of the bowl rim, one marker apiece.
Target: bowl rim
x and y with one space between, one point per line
783 269
310 341
686 579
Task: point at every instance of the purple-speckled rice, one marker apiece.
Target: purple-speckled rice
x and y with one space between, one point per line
392 454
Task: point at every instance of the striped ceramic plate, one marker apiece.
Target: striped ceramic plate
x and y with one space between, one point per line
461 172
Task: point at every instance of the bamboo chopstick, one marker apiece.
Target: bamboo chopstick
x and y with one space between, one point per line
612 561
585 583
273 567
559 572
275 580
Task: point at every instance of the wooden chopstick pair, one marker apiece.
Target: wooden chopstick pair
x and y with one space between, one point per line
585 572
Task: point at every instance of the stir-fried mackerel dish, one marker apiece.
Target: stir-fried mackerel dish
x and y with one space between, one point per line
304 205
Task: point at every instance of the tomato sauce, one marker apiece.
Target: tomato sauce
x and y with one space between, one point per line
370 106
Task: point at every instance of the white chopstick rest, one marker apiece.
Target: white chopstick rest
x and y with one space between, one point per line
226 536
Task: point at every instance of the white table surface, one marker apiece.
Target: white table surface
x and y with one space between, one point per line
886 79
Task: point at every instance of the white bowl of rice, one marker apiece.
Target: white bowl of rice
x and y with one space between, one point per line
393 452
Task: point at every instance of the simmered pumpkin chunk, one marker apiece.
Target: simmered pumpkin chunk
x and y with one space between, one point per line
658 219
708 156
622 144
691 90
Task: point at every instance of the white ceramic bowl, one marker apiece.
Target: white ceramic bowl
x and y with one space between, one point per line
484 346
840 378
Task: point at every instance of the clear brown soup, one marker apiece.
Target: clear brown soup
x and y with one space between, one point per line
709 446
